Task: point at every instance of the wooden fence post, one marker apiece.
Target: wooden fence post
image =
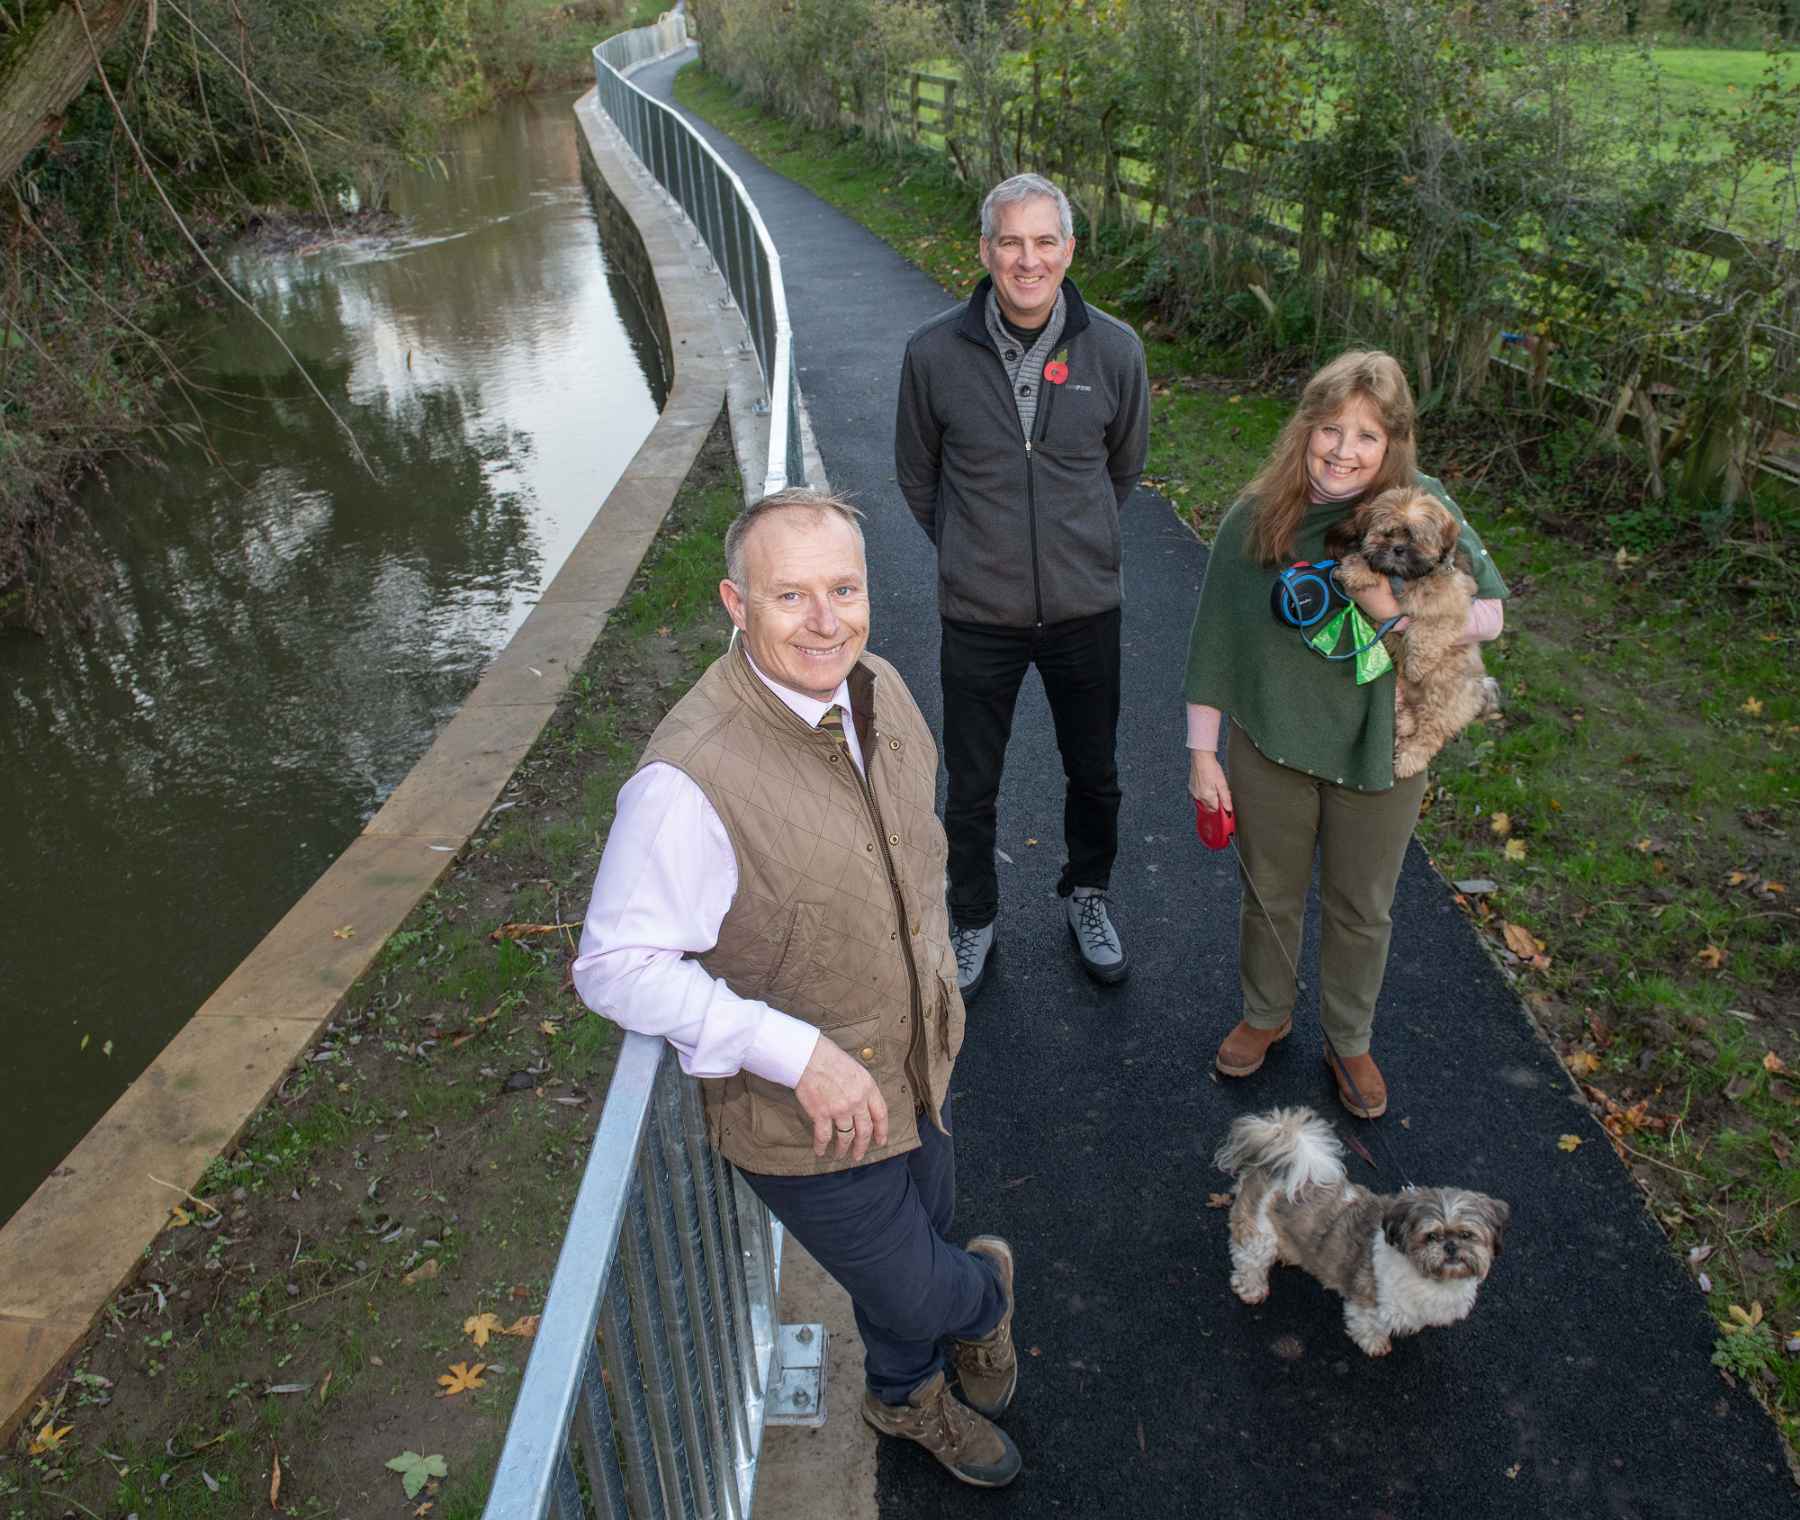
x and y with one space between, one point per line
949 116
913 103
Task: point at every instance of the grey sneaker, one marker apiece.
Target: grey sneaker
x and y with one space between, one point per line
975 1449
988 1369
1102 957
972 947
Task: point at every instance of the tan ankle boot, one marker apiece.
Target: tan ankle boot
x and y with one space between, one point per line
988 1369
1361 1087
1245 1048
975 1449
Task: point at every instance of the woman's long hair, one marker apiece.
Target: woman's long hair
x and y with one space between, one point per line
1282 490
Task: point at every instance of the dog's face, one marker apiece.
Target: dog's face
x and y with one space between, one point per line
1448 1234
1406 532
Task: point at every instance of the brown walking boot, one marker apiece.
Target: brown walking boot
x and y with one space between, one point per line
988 1368
976 1450
1361 1087
1243 1050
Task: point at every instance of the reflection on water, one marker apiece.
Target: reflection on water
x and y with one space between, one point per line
289 628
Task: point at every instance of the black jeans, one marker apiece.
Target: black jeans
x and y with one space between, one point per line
881 1230
981 667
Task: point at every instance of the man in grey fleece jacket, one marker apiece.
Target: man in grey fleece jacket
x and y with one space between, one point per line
1022 426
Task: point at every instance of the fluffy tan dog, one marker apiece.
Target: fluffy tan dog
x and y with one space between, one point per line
1442 685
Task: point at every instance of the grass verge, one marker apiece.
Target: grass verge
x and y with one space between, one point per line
413 1172
1624 837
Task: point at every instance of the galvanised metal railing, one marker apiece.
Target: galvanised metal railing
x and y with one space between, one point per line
674 1265
725 217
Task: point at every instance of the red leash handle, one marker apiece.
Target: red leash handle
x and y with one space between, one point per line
1215 826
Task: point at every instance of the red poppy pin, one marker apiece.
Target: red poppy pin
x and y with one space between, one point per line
1057 370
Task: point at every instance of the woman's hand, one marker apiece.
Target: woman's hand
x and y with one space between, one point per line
1206 780
1376 599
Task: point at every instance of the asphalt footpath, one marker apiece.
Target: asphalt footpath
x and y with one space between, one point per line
1086 1117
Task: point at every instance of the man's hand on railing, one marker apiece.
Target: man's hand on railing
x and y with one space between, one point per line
843 1102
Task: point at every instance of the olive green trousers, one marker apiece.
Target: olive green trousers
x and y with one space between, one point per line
1284 816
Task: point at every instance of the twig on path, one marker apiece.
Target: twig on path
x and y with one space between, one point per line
210 1208
290 1308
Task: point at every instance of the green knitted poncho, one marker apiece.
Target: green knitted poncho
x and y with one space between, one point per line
1299 709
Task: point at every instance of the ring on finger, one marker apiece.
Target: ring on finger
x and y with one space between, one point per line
842 1130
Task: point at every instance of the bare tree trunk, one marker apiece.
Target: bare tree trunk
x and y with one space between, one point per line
44 62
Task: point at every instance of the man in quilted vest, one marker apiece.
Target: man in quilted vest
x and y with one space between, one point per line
771 902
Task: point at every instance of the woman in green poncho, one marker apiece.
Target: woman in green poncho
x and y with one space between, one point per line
1312 750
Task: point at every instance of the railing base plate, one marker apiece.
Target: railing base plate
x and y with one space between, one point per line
797 1394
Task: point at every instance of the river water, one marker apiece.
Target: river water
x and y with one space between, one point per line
288 629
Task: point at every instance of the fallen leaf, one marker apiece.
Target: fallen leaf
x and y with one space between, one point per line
1698 1254
478 1327
525 1325
1773 888
545 1026
1712 957
424 1272
1705 1283
275 1484
422 1511
179 1218
1569 1143
460 1379
1031 844
49 1439
1520 940
1035 1351
324 1384
347 932
524 931
1218 1200
1773 1063
211 1482
1582 1062
1736 879
1501 824
1752 707
1515 849
663 632
415 1469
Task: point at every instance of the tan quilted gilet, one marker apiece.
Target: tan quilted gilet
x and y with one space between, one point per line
814 929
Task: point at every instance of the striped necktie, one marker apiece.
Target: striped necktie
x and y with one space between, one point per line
832 722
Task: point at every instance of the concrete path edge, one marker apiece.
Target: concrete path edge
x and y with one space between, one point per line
82 1233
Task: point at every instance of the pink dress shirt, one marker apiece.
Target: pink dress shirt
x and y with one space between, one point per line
666 880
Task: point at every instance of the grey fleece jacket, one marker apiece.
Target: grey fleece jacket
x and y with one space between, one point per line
1027 530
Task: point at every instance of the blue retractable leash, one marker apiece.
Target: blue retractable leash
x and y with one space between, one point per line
1306 597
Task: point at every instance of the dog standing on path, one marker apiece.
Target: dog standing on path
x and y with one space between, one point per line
1400 1261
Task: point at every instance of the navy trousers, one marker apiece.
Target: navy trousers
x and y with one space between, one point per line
881 1231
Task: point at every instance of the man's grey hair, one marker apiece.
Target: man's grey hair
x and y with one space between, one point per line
1024 187
793 498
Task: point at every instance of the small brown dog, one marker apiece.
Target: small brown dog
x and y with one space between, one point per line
1442 685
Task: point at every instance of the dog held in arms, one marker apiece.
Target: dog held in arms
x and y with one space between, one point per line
1442 686
1400 1261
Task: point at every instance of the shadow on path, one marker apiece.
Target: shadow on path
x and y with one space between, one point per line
1087 1117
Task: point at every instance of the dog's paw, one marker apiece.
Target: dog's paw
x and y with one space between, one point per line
1491 703
1377 1348
1249 1290
1409 761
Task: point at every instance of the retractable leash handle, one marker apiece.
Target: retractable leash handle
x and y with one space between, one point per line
1215 826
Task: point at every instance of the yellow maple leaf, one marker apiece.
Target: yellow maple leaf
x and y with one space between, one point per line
1712 957
546 1027
1515 849
1752 707
525 1325
1582 1062
347 932
1569 1143
461 1378
49 1439
1501 824
1219 1200
478 1327
1773 1063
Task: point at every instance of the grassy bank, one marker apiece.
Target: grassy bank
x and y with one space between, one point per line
413 1173
1624 838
